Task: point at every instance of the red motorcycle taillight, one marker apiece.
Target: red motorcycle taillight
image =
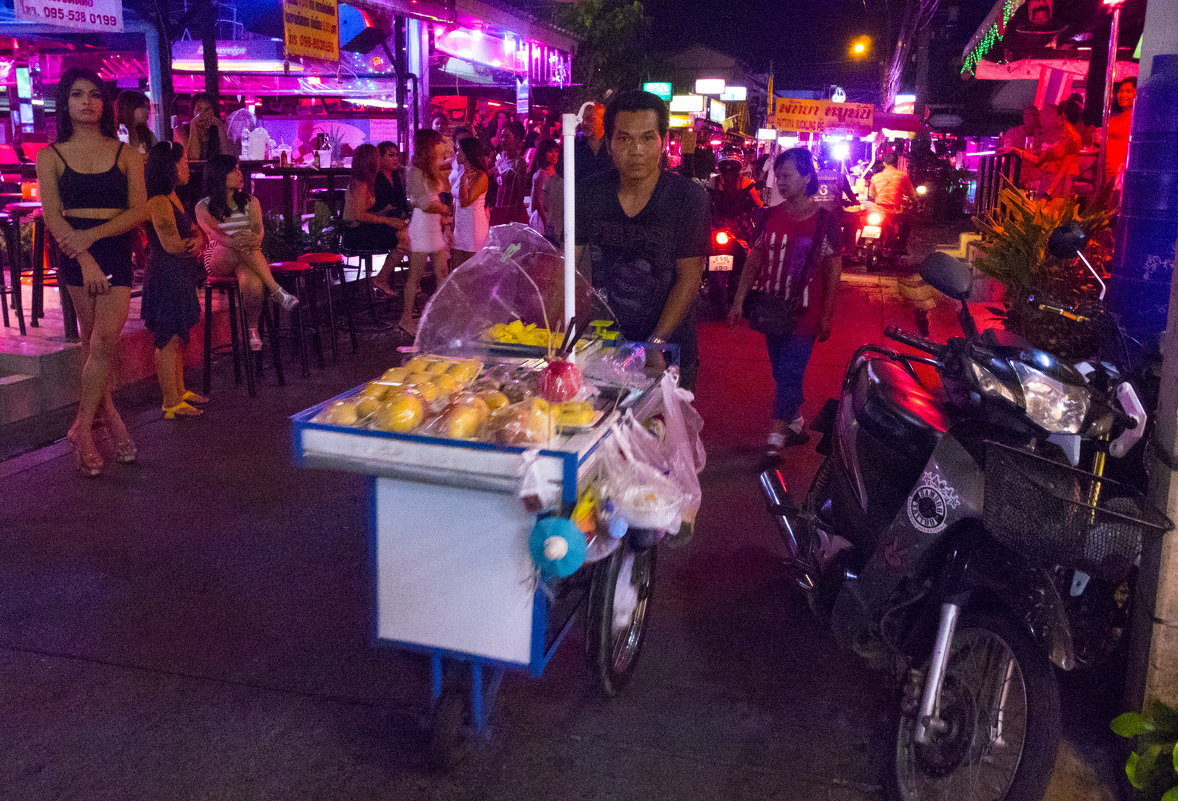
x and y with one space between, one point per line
722 237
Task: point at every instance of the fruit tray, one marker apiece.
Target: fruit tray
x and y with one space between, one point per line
471 464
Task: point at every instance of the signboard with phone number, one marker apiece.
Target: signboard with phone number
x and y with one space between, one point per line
102 16
312 28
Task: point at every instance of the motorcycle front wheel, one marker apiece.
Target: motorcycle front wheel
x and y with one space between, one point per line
1000 706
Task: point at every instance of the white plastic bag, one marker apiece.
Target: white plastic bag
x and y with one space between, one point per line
681 444
641 492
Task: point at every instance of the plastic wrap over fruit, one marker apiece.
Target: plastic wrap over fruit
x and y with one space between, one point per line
510 293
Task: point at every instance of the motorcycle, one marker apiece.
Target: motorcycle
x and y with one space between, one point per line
876 231
952 538
725 265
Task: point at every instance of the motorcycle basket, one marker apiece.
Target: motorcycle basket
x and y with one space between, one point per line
1053 514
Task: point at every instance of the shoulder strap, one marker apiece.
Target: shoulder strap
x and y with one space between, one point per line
118 155
63 161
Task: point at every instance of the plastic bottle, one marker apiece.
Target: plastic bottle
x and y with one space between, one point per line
1139 292
245 144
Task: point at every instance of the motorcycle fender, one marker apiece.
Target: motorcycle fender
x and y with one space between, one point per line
947 496
995 575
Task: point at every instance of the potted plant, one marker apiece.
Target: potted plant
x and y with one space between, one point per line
279 243
1153 768
1014 253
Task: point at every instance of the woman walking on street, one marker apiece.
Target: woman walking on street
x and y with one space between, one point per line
425 185
470 213
365 229
92 195
795 267
232 220
170 308
543 168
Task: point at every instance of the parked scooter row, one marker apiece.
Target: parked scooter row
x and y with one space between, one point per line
962 535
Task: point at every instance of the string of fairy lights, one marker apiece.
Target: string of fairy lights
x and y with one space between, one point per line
991 38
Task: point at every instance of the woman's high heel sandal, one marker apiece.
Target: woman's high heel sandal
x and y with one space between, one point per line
284 299
125 451
181 410
88 460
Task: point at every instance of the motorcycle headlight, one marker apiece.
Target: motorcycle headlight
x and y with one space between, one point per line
1055 406
990 385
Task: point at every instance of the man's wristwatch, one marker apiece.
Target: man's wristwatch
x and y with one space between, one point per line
657 341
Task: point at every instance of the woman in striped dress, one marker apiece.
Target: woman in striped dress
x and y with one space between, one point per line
232 220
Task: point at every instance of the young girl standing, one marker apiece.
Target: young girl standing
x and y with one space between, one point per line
470 214
170 308
424 184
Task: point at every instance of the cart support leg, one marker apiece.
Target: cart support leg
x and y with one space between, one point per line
435 663
482 697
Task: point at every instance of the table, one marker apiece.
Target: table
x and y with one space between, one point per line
288 174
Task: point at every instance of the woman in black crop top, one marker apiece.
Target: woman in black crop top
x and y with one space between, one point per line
92 195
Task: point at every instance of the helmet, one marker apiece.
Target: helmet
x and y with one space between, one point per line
730 158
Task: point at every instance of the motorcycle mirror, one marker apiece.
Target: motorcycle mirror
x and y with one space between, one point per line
947 275
1066 241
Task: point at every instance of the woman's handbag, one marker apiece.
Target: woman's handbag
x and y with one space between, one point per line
774 316
770 315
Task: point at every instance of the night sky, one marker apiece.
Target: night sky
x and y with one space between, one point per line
804 38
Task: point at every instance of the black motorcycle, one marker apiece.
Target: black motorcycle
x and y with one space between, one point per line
726 261
962 535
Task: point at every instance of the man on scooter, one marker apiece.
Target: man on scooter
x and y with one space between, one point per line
891 188
734 197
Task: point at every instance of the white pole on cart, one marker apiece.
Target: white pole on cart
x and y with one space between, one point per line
568 132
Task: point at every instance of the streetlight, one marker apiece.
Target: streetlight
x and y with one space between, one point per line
860 47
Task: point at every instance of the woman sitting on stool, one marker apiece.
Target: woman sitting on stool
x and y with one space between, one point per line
364 228
233 221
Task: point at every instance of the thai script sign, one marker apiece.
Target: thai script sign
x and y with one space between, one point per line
312 28
817 116
96 16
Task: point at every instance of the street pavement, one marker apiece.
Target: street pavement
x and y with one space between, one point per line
197 625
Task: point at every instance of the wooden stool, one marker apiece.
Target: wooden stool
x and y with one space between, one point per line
328 265
296 278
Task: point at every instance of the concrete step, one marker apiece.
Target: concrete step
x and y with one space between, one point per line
20 396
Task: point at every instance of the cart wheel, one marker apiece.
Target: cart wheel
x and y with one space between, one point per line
619 599
449 738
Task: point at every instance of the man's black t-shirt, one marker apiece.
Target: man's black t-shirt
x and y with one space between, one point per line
634 258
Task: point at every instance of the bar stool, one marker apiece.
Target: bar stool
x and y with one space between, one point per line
17 211
365 269
238 344
5 291
329 265
226 285
296 277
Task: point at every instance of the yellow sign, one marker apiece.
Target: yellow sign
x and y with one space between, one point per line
818 116
312 28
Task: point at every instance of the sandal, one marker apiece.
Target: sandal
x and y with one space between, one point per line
191 397
181 410
89 461
125 451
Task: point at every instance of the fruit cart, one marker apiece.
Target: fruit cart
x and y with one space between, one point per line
502 508
453 573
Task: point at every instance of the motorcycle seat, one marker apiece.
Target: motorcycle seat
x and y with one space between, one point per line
894 404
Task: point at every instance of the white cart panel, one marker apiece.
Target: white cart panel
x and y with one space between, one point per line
453 569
